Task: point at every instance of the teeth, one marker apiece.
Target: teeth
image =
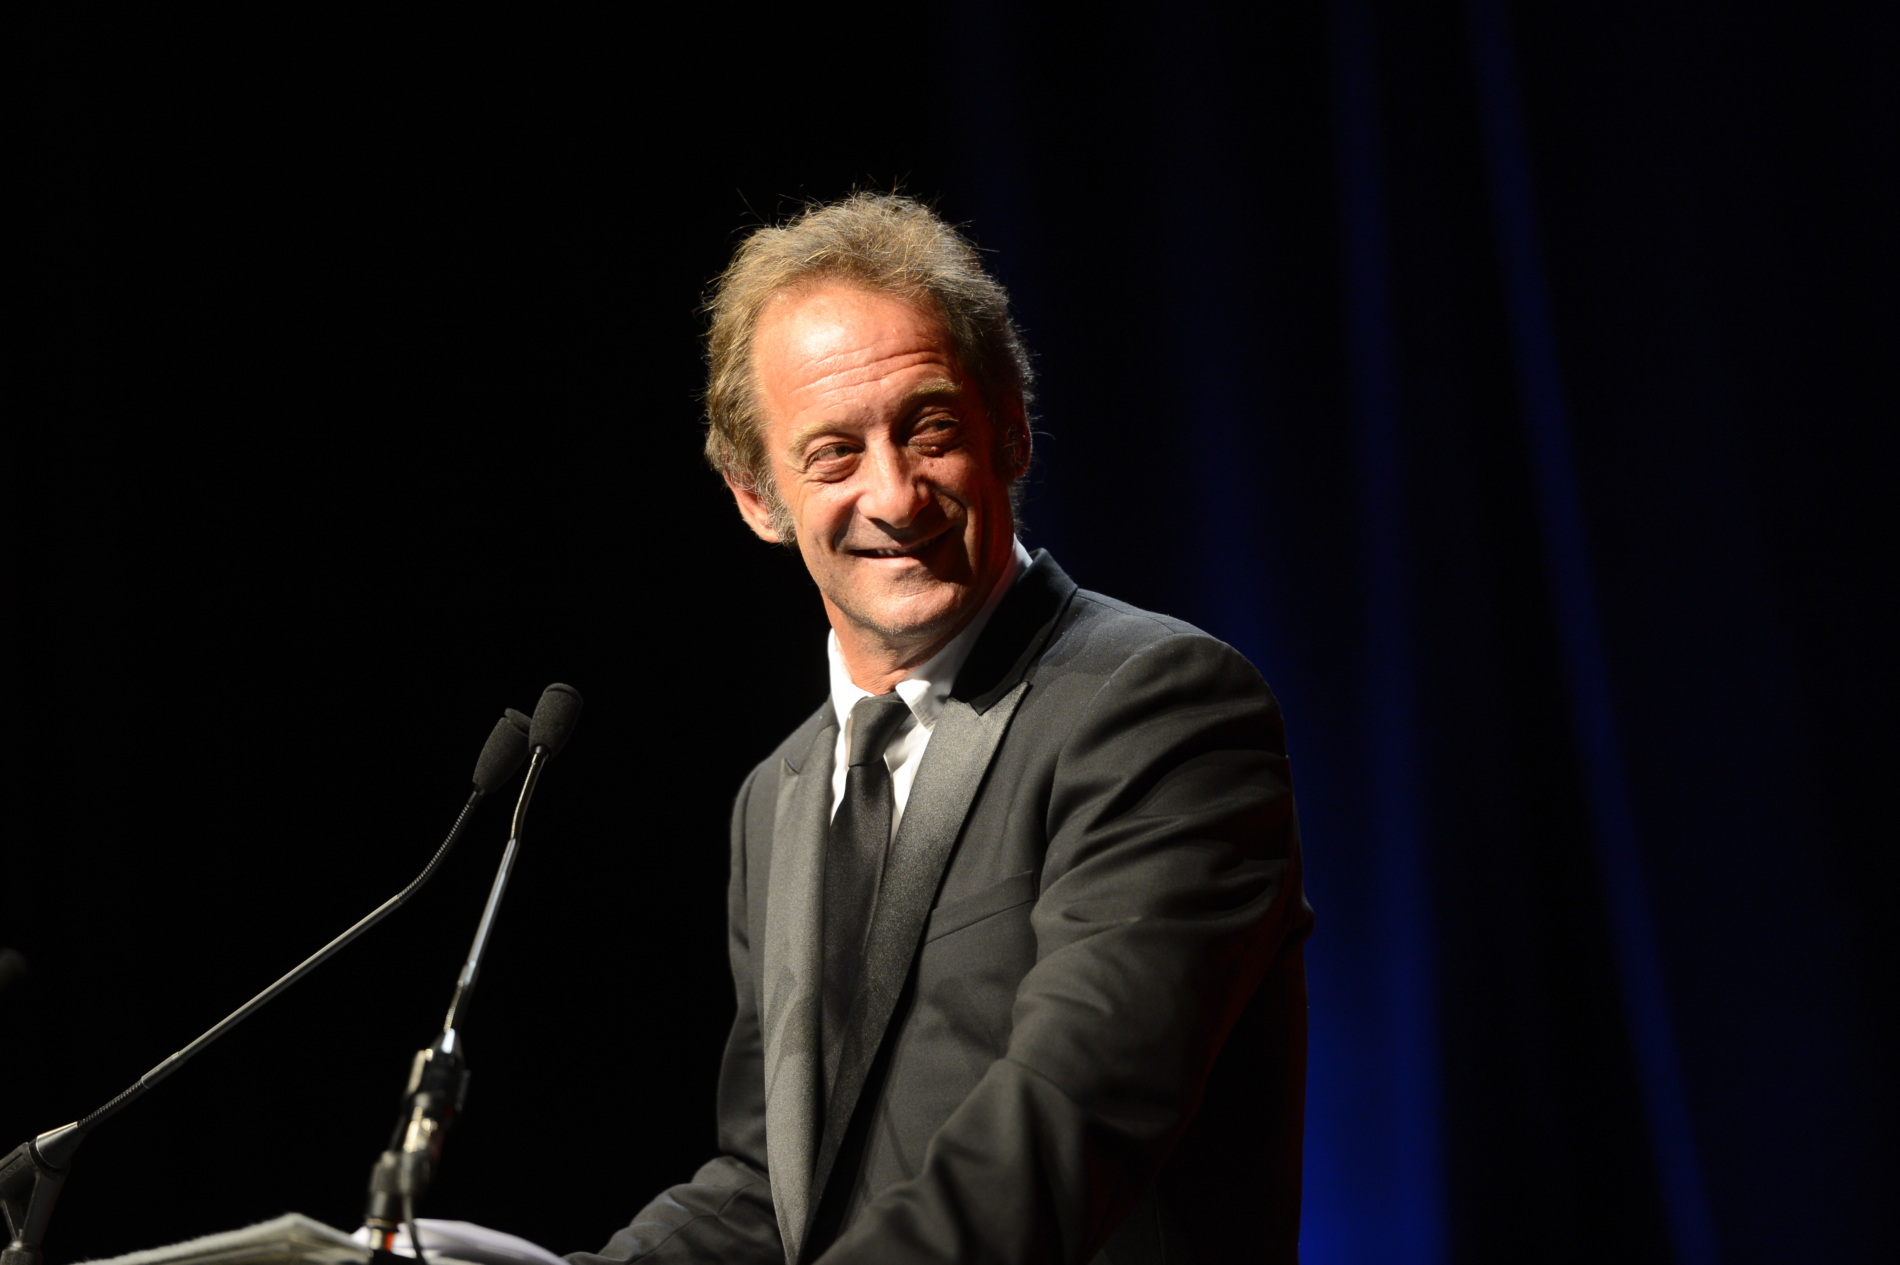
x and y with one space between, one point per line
906 551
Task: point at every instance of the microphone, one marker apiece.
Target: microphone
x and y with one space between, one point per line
502 754
33 1173
438 1079
554 718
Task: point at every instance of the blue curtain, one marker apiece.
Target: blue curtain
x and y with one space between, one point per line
1493 375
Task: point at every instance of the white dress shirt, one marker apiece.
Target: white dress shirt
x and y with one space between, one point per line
923 691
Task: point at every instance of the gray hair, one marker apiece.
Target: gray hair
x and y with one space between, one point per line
887 244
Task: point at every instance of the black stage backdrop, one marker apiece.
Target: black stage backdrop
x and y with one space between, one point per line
1498 376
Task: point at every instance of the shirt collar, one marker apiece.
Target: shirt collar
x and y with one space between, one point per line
928 685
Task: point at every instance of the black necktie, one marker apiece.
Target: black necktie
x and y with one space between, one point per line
854 860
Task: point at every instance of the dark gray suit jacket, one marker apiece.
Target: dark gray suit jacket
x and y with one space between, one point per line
1081 1030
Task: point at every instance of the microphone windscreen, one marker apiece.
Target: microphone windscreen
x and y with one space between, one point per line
554 718
502 754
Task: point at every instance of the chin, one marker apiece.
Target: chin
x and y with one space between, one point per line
917 626
917 620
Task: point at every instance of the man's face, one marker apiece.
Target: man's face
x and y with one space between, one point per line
888 465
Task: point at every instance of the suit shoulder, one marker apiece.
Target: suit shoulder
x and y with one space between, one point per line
1110 659
1103 632
1128 620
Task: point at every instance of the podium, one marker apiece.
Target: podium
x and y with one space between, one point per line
294 1239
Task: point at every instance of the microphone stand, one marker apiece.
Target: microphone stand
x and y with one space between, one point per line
33 1173
438 1079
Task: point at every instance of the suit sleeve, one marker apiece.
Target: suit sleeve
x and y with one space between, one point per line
724 1216
1169 885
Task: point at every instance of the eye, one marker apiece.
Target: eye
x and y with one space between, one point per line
936 435
830 459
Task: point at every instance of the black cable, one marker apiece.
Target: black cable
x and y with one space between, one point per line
409 1221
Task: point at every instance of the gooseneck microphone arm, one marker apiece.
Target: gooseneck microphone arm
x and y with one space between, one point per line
33 1172
438 1079
465 982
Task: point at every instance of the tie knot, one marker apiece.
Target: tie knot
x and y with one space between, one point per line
874 722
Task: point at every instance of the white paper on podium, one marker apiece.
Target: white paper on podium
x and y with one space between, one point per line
294 1239
466 1241
291 1239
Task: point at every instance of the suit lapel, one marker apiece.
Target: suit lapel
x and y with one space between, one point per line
954 763
991 685
792 961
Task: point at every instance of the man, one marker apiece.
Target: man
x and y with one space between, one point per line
1014 917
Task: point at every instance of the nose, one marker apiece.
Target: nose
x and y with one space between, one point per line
895 493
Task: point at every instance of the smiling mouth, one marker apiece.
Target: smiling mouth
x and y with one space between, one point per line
898 551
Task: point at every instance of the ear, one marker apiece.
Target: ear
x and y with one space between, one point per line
755 511
1018 424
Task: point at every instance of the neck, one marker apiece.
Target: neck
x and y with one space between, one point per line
876 664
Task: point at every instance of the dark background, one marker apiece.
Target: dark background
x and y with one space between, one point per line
1507 380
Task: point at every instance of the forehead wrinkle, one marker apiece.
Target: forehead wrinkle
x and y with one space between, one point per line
862 366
